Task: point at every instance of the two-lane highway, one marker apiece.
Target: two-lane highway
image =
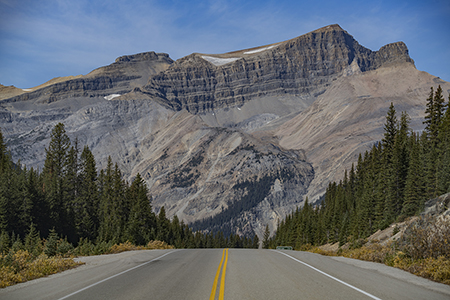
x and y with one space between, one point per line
227 274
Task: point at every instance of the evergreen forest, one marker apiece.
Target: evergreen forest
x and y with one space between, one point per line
389 183
71 200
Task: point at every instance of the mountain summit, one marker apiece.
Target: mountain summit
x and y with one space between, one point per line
229 141
303 65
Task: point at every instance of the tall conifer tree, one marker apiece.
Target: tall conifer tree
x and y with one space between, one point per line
87 204
55 167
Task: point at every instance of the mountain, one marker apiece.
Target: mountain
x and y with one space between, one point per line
236 139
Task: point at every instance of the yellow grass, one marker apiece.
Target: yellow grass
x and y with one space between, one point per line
21 266
437 269
127 246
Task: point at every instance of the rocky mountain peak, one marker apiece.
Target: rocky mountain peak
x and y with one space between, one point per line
305 65
143 56
332 27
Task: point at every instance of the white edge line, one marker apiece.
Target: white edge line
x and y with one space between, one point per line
118 274
334 278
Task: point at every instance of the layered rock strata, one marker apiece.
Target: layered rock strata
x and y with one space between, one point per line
121 77
304 65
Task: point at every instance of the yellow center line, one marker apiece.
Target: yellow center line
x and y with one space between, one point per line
216 279
222 280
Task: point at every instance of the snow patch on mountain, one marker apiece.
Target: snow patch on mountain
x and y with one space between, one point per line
217 61
260 49
112 96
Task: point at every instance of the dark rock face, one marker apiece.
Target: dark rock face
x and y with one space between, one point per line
304 65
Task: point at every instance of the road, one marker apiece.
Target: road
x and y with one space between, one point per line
227 274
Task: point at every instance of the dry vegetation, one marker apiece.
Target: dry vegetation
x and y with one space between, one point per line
21 263
21 266
424 250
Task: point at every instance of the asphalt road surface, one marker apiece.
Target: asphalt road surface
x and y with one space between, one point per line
227 274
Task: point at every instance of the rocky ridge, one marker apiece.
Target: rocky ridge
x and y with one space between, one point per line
305 66
121 77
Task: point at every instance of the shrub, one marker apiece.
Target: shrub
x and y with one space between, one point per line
158 245
20 266
127 246
428 237
85 248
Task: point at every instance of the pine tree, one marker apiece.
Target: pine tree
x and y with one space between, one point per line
5 158
24 204
390 132
51 245
414 189
401 161
87 202
434 113
387 184
5 243
142 219
106 205
177 232
114 206
7 206
163 226
54 184
433 117
443 152
72 186
266 239
33 242
39 212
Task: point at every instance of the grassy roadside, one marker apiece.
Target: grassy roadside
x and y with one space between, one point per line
422 249
436 269
21 263
21 266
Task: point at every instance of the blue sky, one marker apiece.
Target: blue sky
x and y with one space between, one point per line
43 39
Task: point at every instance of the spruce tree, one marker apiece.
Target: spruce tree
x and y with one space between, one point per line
87 202
414 188
163 226
433 119
387 185
5 158
33 242
54 184
5 243
266 239
25 205
401 161
72 185
106 205
114 206
443 153
141 219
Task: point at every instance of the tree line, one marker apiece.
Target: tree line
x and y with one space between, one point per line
390 182
71 199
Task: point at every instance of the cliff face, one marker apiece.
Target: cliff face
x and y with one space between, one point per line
305 65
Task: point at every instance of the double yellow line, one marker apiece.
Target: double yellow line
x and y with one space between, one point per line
222 278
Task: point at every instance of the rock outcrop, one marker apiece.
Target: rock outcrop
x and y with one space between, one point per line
121 77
